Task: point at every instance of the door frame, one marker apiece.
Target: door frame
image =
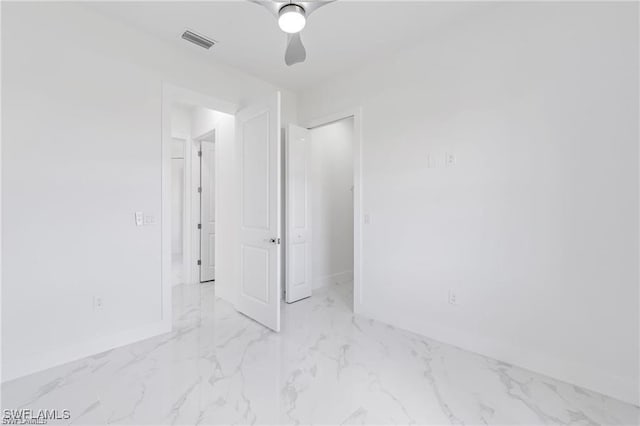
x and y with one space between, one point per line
196 203
185 141
356 113
171 95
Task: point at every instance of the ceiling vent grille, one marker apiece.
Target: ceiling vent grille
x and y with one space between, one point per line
198 39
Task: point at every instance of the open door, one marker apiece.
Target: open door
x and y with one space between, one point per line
207 211
258 147
298 217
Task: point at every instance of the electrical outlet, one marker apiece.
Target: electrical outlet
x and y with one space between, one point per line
453 297
98 303
139 218
450 159
367 219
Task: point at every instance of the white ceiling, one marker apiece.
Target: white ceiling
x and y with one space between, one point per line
338 37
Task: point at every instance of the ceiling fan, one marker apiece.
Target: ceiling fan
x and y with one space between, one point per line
292 17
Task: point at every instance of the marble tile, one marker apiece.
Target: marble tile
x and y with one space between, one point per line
327 366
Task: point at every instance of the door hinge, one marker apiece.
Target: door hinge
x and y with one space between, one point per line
200 189
199 262
199 153
199 226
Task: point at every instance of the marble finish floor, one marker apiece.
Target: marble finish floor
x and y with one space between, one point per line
327 366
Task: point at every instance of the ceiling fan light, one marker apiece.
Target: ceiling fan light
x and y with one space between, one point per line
292 19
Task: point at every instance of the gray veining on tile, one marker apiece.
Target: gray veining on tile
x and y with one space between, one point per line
327 366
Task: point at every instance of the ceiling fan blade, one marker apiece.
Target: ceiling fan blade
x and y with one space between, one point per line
311 6
272 6
295 52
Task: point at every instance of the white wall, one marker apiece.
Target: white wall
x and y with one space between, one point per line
177 205
72 183
535 226
180 121
181 133
288 108
203 121
331 162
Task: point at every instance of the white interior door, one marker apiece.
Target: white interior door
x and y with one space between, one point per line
298 215
258 147
207 211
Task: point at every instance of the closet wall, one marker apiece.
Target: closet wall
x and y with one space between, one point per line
332 202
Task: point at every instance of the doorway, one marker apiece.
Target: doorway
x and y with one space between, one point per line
232 201
206 171
331 152
194 170
322 222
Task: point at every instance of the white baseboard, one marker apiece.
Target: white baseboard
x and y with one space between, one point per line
226 293
569 371
24 366
337 278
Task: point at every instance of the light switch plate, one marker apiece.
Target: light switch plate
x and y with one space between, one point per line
139 218
453 297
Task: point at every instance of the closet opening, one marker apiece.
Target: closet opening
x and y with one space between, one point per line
320 217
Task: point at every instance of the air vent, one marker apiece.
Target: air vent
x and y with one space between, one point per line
198 39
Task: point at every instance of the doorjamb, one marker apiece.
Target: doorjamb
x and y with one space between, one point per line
185 140
356 113
172 95
196 203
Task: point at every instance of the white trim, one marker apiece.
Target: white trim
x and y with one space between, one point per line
332 118
356 113
69 353
540 362
165 211
182 136
186 96
193 201
186 143
207 134
187 235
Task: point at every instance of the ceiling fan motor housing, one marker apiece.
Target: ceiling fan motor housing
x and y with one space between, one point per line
292 18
